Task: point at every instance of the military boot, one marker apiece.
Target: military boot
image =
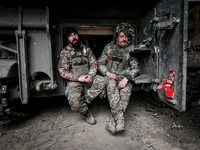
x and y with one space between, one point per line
120 125
89 118
111 127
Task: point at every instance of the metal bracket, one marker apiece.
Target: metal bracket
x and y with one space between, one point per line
42 85
168 23
145 79
186 45
8 49
4 102
142 47
172 101
22 65
53 84
142 79
20 18
4 89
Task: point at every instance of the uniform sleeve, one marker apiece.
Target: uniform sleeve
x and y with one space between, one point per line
63 67
92 64
102 61
134 68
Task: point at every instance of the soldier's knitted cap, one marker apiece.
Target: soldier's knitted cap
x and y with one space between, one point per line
69 31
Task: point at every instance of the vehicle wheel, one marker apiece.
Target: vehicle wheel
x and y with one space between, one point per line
19 110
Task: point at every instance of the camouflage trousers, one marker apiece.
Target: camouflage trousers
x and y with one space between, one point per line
74 91
118 98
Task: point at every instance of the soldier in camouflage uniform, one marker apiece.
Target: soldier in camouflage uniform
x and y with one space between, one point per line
78 66
119 68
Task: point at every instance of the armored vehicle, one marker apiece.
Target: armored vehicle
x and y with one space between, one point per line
166 37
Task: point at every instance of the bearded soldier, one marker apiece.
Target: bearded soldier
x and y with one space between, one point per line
78 66
119 68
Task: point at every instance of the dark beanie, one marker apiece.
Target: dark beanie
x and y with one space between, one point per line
69 31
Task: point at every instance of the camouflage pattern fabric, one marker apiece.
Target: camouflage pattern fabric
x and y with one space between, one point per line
97 87
71 72
124 66
118 98
131 68
74 91
65 63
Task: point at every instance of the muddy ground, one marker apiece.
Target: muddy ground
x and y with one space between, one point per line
56 127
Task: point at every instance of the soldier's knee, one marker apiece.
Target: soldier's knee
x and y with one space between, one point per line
102 82
99 82
102 85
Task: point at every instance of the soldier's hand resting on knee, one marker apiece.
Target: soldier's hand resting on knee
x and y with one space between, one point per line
88 79
122 83
82 78
112 75
85 78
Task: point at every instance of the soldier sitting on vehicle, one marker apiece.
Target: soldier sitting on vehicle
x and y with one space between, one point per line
78 66
118 67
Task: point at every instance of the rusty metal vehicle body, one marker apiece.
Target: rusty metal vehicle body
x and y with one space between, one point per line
31 41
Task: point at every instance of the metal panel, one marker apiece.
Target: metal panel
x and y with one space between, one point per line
184 60
38 52
22 66
28 18
165 26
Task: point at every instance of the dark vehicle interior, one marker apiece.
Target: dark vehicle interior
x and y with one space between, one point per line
97 37
115 13
95 22
94 10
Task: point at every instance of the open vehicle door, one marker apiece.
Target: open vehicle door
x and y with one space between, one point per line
164 62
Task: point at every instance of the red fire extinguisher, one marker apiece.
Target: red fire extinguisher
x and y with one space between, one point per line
168 85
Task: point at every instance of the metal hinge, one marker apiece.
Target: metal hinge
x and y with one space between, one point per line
186 45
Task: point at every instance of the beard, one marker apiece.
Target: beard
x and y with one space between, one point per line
76 44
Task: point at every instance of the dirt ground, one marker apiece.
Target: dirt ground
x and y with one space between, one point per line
57 127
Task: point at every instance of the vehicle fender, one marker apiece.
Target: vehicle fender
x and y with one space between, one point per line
8 68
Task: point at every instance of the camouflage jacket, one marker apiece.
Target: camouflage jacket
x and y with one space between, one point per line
130 70
65 63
